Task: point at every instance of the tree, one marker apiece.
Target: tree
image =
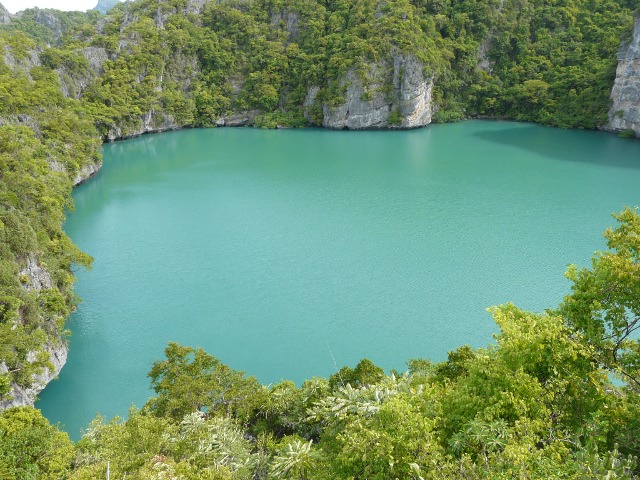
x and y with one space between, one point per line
365 373
604 304
30 447
295 460
190 380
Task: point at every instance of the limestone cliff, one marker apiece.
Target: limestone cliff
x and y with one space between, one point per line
5 16
154 121
625 111
86 173
36 278
103 6
395 94
22 396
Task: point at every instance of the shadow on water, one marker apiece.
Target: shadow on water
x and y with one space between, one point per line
597 148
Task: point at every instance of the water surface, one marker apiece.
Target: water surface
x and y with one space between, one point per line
288 252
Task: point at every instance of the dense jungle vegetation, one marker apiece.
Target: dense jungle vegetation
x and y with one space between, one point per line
538 404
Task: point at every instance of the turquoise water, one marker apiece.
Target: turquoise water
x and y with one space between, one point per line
288 252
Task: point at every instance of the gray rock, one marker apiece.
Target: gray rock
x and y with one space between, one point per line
195 6
364 107
21 396
414 92
484 63
5 16
86 173
625 110
50 20
21 119
75 81
152 122
37 278
160 18
21 63
103 6
290 22
96 56
56 166
239 119
183 69
397 87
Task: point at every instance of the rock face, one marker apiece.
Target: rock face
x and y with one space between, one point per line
396 94
103 6
151 122
50 20
26 396
86 173
23 64
5 16
289 20
239 119
35 278
96 57
625 112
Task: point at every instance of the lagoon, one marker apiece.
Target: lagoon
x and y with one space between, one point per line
290 253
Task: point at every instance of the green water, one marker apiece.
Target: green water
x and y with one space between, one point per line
280 251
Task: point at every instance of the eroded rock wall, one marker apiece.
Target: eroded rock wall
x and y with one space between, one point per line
21 396
5 16
625 111
34 277
394 94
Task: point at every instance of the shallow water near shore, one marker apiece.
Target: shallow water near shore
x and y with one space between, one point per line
288 253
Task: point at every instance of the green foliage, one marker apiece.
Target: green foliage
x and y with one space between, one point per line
456 365
42 129
30 448
611 465
47 25
293 119
395 118
122 447
366 373
552 63
604 304
297 459
627 133
190 380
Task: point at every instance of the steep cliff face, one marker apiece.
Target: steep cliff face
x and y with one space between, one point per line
86 173
24 63
35 277
396 94
154 121
21 396
625 111
103 6
5 16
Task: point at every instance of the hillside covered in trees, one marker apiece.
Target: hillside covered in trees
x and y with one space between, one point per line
538 404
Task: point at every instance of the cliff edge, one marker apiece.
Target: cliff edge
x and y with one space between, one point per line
625 111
